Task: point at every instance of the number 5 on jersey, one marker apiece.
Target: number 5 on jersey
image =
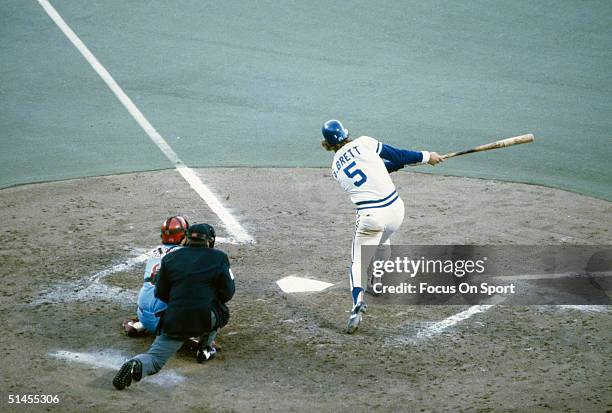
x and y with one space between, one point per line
357 172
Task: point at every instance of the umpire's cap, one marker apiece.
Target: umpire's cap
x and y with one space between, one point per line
202 232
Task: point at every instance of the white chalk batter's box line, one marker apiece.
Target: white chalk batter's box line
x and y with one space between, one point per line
94 287
112 359
414 333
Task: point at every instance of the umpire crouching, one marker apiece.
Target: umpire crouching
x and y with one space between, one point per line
196 282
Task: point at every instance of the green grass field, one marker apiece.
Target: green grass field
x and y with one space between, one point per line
249 84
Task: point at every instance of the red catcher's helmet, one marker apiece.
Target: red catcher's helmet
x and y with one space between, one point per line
174 229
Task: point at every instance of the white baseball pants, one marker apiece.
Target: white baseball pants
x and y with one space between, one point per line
373 226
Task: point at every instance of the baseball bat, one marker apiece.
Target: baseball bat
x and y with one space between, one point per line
516 140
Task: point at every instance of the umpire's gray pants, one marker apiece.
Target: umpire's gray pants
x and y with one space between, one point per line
163 347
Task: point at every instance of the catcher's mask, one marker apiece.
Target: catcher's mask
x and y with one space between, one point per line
202 232
174 229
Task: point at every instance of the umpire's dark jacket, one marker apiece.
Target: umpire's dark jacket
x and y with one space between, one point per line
194 280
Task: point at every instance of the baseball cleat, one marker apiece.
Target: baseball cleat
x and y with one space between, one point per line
131 369
355 317
205 353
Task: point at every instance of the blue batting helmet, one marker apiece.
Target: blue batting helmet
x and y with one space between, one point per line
334 132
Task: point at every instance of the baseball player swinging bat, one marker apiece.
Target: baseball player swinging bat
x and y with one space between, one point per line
362 167
517 140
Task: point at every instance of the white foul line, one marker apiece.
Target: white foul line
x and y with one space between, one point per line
232 225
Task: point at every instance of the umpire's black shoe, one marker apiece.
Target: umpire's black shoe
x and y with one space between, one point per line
205 353
131 369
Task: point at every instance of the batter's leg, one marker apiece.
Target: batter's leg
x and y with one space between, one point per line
393 216
367 232
363 237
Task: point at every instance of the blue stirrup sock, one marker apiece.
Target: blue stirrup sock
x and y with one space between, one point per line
356 291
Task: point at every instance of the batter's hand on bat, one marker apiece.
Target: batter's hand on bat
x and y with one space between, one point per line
434 158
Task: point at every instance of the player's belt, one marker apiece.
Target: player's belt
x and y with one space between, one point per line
380 203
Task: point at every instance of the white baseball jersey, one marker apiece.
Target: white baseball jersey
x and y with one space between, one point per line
361 172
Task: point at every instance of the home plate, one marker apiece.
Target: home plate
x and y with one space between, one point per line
293 284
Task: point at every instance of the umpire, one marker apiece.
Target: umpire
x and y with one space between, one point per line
196 281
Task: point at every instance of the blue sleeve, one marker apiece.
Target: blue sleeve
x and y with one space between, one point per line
396 158
391 166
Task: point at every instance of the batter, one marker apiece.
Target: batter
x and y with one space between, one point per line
362 168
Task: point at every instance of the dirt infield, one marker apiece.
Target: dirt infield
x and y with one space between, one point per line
289 352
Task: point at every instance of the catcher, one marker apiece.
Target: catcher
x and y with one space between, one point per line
173 236
196 282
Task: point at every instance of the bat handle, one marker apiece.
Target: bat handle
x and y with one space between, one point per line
452 154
